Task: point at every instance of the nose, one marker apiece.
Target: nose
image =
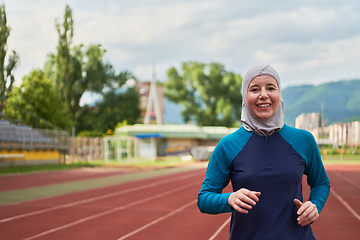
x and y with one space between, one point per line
263 94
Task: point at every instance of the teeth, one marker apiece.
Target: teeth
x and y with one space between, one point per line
264 105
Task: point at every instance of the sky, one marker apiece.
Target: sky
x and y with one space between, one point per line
307 42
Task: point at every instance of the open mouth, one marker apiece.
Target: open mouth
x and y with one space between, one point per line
264 105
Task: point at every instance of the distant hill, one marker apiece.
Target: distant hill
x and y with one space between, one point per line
341 102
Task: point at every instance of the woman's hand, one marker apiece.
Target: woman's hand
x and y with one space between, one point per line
243 199
307 212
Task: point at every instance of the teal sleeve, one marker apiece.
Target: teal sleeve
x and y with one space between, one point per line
305 144
317 178
319 195
211 200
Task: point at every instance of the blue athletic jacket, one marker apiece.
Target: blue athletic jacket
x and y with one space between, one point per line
273 165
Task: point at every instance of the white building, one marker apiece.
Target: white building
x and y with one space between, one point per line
353 138
308 121
336 134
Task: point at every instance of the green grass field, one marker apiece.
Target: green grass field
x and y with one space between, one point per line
337 159
14 169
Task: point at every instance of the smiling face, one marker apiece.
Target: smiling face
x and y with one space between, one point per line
263 96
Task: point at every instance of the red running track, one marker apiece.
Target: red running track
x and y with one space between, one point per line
161 208
20 181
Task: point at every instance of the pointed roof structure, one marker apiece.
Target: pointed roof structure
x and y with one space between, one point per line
153 101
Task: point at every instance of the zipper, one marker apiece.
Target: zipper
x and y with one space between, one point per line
267 152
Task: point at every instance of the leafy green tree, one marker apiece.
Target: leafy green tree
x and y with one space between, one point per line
75 71
210 95
38 96
7 78
117 105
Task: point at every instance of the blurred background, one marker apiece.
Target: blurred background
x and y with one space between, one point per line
86 69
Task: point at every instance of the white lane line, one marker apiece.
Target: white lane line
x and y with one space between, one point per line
112 210
220 229
97 198
348 180
332 191
158 220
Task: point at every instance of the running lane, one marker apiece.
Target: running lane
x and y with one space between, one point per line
111 217
159 208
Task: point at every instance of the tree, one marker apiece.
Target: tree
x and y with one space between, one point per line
210 99
117 105
38 96
7 78
75 70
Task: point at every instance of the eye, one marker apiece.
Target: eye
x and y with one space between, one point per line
254 89
271 88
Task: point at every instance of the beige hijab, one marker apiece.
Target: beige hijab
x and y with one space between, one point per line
250 121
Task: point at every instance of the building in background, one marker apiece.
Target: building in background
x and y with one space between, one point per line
153 141
313 123
353 134
308 121
337 134
345 133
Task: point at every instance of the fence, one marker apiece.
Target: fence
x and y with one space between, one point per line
86 149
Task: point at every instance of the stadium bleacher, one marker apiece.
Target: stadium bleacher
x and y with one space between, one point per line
22 137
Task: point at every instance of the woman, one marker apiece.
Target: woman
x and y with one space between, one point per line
265 161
